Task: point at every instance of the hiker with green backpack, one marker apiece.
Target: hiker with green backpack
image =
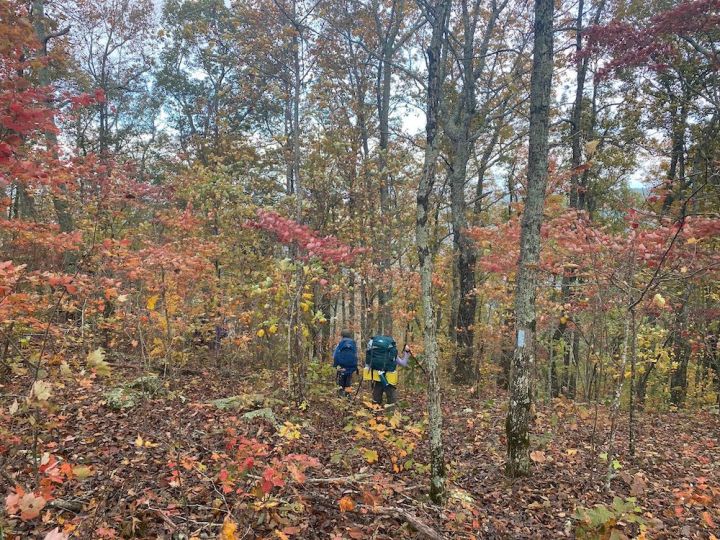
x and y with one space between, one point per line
381 361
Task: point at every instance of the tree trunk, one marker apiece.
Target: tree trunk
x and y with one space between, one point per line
518 418
62 209
296 357
463 319
438 15
383 95
681 355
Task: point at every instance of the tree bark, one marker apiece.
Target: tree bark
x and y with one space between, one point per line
463 128
62 209
681 355
438 15
518 418
388 48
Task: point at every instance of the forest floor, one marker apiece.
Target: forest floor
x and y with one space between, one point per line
178 466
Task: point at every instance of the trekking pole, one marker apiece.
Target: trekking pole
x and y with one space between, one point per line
359 386
412 356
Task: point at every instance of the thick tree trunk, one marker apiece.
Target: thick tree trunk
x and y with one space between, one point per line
438 15
518 418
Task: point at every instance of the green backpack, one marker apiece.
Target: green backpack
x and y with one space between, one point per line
381 354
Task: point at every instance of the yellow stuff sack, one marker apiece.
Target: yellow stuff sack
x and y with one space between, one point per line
391 376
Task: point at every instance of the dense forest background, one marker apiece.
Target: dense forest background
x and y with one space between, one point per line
198 195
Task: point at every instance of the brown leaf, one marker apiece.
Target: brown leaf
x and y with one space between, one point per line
638 486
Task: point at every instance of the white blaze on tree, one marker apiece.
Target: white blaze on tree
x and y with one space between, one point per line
518 418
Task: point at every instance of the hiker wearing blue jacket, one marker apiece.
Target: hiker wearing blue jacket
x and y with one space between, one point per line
345 360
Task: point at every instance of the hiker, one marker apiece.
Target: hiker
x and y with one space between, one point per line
381 360
345 361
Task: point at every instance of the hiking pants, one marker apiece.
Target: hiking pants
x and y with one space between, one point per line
389 390
344 378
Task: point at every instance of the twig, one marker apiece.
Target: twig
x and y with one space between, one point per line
425 530
69 506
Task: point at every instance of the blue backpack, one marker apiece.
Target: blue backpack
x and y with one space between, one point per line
346 353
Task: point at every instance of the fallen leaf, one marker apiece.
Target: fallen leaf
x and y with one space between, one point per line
638 486
30 506
347 504
228 530
538 456
371 456
41 390
707 518
56 534
82 472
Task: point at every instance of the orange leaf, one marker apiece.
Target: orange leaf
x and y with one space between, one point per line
30 506
347 504
707 518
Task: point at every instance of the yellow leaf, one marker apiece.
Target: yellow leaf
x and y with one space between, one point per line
229 530
304 306
82 472
139 441
658 301
273 329
572 451
152 301
289 431
305 332
65 370
591 147
307 296
691 240
96 361
261 333
371 456
41 390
